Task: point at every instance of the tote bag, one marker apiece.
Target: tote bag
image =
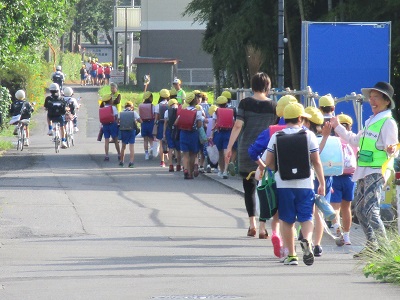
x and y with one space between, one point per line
267 196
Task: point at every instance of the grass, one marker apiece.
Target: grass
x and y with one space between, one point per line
5 145
384 265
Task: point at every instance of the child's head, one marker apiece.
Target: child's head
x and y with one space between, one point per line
228 95
172 93
173 103
147 97
129 105
294 114
346 121
282 102
327 104
221 101
315 122
20 95
204 97
164 95
191 99
213 108
54 88
114 87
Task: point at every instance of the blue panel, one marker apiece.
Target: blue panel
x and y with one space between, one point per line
345 57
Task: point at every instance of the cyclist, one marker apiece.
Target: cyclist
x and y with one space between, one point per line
58 77
21 107
73 106
56 106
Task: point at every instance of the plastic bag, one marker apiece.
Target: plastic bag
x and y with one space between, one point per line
15 119
325 207
213 153
156 148
202 135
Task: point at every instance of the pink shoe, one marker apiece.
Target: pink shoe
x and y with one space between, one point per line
277 243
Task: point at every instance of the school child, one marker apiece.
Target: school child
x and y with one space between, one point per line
294 179
172 93
116 96
73 106
23 108
171 134
128 128
343 186
196 170
146 112
109 121
314 124
203 164
327 106
224 120
189 121
159 111
231 169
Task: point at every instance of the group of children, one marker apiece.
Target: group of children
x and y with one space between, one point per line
95 73
310 131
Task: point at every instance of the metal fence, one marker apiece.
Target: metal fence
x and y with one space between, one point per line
196 76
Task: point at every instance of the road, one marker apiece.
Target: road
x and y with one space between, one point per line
75 227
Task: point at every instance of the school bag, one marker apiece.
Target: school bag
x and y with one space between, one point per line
162 109
127 120
224 118
58 78
187 119
106 115
275 128
292 162
70 104
332 156
56 107
146 111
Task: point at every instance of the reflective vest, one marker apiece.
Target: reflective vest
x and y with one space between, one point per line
119 105
368 145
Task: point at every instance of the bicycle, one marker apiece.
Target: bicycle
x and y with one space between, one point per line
56 136
69 129
21 131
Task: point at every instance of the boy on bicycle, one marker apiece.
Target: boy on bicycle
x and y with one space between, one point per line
73 106
21 107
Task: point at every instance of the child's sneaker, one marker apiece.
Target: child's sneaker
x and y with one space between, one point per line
225 175
219 174
76 129
162 164
106 158
208 169
50 132
283 254
119 157
121 164
317 250
308 256
131 165
346 238
201 170
146 156
171 168
26 142
196 170
178 168
277 243
291 260
231 169
336 229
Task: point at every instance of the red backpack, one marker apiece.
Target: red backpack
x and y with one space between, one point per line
275 128
224 118
106 115
146 111
187 119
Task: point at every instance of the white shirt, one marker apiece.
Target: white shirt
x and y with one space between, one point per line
157 107
312 146
387 136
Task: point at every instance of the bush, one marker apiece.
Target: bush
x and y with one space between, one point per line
71 64
5 102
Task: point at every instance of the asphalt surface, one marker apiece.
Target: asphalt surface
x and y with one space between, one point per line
75 227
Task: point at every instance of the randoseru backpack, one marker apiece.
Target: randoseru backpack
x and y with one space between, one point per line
127 120
56 107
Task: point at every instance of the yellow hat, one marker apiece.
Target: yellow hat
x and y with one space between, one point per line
172 92
213 108
203 95
227 94
190 97
146 95
106 98
172 102
197 92
198 107
164 93
128 104
345 119
282 102
294 110
221 100
184 105
316 115
326 100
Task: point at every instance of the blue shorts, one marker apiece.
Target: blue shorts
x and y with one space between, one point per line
189 141
108 76
93 73
328 187
59 119
221 139
172 144
294 203
343 188
147 128
160 130
83 77
110 130
128 136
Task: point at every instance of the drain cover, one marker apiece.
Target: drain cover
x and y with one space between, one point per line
198 297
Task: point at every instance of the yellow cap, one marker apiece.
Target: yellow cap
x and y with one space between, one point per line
172 102
221 100
197 92
345 119
190 97
184 105
203 95
106 98
146 95
164 93
227 94
213 108
326 100
316 115
172 92
294 110
128 104
282 102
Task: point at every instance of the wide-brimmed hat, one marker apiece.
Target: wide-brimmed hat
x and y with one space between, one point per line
384 88
294 110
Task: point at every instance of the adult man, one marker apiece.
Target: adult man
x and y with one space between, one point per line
180 93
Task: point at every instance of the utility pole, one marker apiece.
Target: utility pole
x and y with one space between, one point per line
126 47
281 48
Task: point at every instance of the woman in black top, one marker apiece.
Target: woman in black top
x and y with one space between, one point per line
255 114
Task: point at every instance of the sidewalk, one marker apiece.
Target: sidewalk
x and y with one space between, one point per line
356 233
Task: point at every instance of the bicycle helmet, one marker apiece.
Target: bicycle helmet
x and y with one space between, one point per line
68 91
20 95
58 68
54 87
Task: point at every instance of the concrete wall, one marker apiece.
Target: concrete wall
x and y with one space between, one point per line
161 76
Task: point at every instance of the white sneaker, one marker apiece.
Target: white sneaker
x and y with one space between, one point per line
146 156
346 238
220 174
336 229
64 145
225 175
50 132
76 129
26 142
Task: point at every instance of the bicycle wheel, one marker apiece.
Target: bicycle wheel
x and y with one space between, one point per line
68 135
19 138
57 139
22 137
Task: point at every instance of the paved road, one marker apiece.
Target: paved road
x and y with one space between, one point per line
75 227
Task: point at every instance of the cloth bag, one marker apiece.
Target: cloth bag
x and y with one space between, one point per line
267 195
325 207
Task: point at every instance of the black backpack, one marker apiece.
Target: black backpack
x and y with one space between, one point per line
56 107
58 78
292 162
172 115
